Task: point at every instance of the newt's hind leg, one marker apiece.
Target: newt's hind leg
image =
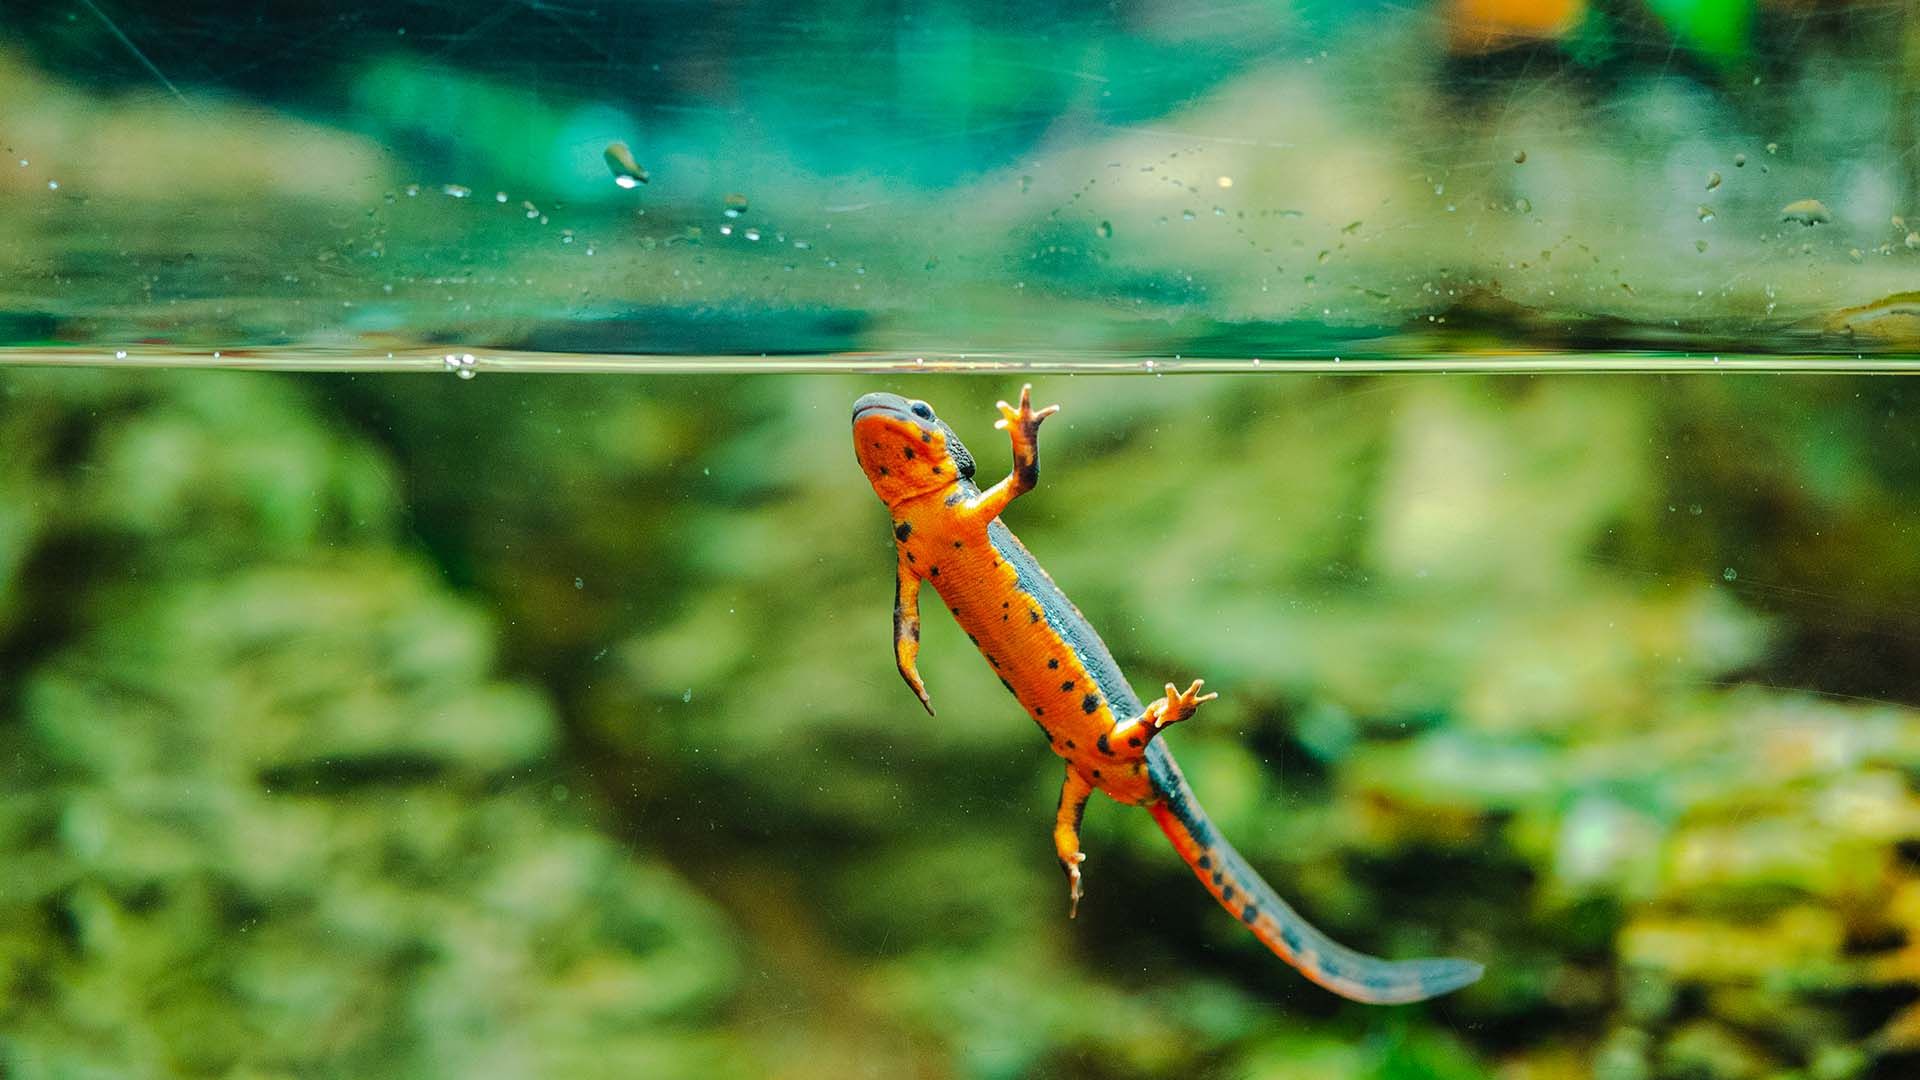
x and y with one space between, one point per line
1066 832
1164 712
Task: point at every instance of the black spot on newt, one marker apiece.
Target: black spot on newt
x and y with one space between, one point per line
910 559
1071 745
1066 687
1252 913
1032 616
933 571
1204 862
902 530
1218 877
925 436
1053 662
1005 683
1133 741
1043 712
884 471
1102 743
1226 892
936 470
1090 703
958 545
1290 937
1096 774
907 450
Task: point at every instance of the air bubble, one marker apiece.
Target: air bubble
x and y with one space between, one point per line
1705 212
455 191
1729 574
462 364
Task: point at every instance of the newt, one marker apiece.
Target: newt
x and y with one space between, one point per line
948 533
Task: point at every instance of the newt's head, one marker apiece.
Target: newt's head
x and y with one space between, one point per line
904 449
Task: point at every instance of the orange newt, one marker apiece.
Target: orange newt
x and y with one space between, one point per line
948 533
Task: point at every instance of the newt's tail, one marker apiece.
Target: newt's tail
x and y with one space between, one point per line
1245 896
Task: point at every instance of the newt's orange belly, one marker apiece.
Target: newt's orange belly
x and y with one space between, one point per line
1038 666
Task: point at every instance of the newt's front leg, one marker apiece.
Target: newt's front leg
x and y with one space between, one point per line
1022 424
906 631
1066 832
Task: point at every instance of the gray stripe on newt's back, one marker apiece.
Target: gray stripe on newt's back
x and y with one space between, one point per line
1164 775
1067 622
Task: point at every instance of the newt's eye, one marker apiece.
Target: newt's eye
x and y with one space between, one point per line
922 410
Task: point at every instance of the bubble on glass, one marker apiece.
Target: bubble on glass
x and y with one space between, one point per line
462 364
1705 213
1806 211
1773 148
751 234
1519 157
1224 181
1523 205
53 185
627 173
579 583
1739 161
1104 230
1729 574
734 205
500 196
1187 215
455 191
1713 180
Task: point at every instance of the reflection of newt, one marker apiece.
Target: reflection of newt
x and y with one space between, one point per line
949 534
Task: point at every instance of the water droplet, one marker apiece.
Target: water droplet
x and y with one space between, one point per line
1705 212
627 172
1806 212
1519 157
456 191
1713 180
1729 573
735 204
1105 230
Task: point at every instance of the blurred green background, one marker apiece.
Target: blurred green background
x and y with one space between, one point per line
547 725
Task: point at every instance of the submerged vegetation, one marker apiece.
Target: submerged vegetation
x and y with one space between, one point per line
549 725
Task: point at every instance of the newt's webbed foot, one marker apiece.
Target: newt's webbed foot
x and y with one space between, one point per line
1022 423
1071 864
1176 706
